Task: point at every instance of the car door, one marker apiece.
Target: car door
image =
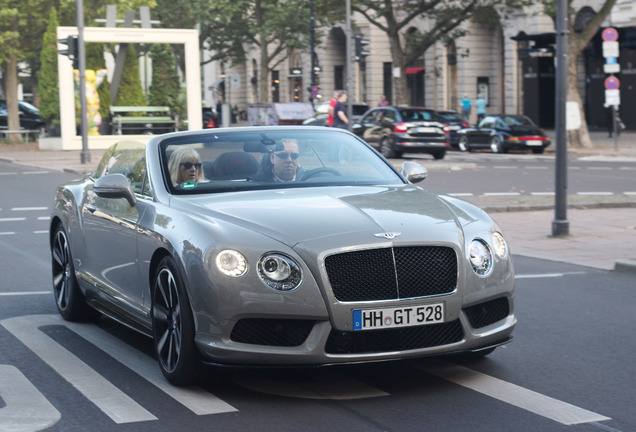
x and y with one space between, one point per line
482 135
110 234
370 128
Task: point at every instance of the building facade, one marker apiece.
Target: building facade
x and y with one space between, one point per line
512 64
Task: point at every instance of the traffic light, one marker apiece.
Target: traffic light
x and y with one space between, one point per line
71 50
362 47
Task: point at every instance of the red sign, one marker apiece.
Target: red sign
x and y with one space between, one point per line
612 83
610 34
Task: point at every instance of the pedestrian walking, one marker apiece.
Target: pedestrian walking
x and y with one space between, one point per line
480 104
340 119
466 107
332 105
383 102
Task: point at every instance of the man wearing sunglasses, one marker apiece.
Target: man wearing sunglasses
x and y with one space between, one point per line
281 166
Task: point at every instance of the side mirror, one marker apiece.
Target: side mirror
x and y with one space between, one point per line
414 172
114 186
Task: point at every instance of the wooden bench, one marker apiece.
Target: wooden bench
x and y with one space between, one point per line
26 133
149 119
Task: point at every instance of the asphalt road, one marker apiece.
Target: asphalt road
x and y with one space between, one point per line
568 369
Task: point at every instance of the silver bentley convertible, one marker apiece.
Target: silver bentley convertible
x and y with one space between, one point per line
278 246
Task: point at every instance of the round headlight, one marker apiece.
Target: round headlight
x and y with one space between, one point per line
231 263
279 272
480 257
499 244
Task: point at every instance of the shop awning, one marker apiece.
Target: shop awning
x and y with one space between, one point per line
414 70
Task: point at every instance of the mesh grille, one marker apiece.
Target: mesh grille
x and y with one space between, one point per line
271 332
401 339
392 273
487 313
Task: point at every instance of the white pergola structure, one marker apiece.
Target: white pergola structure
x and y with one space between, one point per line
189 38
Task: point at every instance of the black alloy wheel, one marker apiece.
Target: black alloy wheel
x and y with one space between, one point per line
173 326
68 297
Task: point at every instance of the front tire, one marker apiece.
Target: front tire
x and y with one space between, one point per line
68 297
387 149
173 326
463 144
496 145
439 155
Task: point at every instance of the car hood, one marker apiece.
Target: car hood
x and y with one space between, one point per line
341 215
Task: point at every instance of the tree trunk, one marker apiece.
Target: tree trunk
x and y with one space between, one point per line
576 138
400 84
11 92
263 78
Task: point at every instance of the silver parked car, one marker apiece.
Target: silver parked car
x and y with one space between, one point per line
289 245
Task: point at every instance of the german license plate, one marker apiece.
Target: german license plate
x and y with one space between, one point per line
534 142
384 318
425 130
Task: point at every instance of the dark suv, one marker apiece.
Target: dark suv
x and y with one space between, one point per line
397 130
29 116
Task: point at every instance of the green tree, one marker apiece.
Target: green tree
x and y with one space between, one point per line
577 41
165 89
274 26
130 90
445 18
48 87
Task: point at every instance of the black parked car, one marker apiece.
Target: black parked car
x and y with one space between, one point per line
501 133
454 122
29 116
397 130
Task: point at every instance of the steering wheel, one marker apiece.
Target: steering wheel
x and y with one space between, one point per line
318 171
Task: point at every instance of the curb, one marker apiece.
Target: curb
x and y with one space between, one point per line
625 266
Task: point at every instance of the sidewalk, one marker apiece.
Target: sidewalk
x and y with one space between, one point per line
602 228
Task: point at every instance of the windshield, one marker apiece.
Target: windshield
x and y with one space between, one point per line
267 159
419 115
518 121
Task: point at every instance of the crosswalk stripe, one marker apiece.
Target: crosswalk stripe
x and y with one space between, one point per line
512 394
26 409
198 400
113 402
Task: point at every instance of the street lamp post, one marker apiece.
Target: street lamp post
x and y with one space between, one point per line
349 60
312 41
560 224
85 155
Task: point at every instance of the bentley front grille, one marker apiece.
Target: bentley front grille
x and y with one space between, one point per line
392 273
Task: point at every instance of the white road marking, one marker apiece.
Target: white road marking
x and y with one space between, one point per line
41 232
502 194
44 218
546 275
16 219
600 168
29 208
506 167
515 395
461 194
542 193
26 409
595 193
93 385
536 167
7 233
113 402
629 193
35 172
23 293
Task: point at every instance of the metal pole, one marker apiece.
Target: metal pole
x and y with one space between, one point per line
349 58
85 155
560 224
311 51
